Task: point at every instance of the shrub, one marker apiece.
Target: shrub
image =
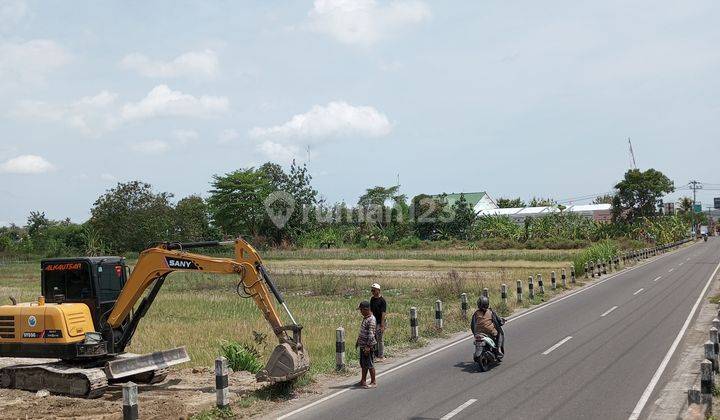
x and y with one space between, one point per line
241 356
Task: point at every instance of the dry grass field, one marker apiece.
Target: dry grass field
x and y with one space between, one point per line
202 310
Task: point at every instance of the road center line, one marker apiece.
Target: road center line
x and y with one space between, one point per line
608 311
670 270
638 291
657 278
457 410
681 264
663 365
559 343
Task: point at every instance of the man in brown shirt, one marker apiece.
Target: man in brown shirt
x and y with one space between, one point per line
485 321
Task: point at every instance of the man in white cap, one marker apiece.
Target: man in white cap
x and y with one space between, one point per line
378 306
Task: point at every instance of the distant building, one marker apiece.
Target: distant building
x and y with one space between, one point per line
597 212
479 201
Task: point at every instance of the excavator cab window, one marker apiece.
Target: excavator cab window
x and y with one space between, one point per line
110 280
66 281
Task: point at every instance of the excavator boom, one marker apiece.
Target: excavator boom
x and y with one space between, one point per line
288 360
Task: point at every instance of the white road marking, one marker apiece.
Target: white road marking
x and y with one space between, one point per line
663 365
559 343
670 270
681 264
465 337
657 278
457 410
608 311
638 291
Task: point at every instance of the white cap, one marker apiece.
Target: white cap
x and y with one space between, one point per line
375 286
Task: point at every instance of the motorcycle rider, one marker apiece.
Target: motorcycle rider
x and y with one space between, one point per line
486 321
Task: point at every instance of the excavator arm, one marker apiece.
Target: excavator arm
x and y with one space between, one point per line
287 361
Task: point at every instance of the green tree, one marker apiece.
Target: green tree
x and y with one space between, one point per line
685 205
462 218
429 215
36 222
507 203
637 194
236 201
131 217
192 220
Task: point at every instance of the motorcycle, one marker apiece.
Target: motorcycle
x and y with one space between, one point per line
486 352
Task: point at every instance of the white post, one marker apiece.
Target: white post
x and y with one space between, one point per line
222 393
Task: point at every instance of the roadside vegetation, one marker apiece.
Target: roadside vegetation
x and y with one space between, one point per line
282 212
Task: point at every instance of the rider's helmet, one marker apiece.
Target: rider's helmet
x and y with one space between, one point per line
483 303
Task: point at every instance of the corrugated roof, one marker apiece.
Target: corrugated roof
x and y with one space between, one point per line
544 210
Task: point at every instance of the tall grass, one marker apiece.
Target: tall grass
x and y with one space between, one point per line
601 251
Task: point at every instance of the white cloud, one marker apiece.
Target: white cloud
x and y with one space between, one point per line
184 136
150 147
194 63
26 164
108 177
365 22
30 62
92 115
336 119
11 12
282 153
228 135
164 102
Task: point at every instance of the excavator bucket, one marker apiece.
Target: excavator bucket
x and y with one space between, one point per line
284 364
127 366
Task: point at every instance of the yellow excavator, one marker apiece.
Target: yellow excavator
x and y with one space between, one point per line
87 315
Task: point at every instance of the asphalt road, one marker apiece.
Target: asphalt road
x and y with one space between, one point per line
620 330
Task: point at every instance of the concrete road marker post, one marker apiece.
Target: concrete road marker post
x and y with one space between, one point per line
464 305
707 378
572 274
710 354
414 328
518 291
340 349
599 268
503 294
716 323
541 286
438 314
553 281
222 392
486 292
531 288
604 268
562 279
714 339
130 401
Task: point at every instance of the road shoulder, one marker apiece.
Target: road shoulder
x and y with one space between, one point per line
671 402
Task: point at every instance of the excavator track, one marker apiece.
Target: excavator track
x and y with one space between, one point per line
57 378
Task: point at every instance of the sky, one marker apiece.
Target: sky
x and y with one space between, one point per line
521 98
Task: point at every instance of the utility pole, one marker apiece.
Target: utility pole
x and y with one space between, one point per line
694 186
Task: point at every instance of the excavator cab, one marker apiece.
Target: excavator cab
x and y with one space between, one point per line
93 281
